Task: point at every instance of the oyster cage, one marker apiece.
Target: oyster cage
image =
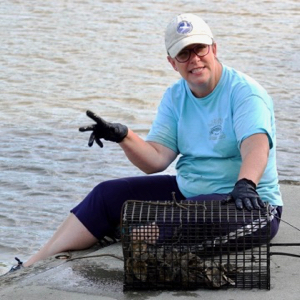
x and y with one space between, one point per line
190 245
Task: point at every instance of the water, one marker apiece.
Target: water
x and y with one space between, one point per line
59 58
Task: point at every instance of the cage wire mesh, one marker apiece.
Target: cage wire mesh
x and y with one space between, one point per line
190 245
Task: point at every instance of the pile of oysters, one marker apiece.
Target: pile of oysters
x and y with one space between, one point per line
169 267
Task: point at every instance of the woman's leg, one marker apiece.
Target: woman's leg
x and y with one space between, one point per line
99 213
71 235
240 229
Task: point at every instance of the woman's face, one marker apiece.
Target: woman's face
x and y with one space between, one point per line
201 73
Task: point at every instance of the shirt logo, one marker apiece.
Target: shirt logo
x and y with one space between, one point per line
184 27
216 130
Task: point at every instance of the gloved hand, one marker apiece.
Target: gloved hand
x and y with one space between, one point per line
244 194
113 132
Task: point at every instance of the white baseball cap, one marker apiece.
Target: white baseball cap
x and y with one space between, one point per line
184 30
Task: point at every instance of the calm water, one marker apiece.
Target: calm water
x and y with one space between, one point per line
59 58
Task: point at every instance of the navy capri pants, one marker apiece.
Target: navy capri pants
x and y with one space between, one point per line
100 211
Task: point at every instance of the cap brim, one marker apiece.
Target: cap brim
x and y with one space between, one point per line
190 40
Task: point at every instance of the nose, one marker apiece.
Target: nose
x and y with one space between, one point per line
194 55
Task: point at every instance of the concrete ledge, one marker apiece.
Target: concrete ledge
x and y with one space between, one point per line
102 277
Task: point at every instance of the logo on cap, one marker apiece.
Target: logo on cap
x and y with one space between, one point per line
184 27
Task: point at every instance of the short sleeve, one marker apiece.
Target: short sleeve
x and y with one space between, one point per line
164 126
252 115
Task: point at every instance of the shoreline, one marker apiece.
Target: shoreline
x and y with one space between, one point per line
289 182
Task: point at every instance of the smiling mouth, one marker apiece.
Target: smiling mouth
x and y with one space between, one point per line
197 70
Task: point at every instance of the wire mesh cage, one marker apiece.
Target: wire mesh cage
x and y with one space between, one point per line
190 245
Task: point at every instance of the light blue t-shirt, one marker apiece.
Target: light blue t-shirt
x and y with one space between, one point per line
207 134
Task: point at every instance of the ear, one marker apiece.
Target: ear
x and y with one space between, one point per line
172 62
214 49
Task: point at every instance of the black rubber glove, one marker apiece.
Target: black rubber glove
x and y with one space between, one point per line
244 195
113 132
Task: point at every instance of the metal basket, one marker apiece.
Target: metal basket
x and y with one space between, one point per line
190 245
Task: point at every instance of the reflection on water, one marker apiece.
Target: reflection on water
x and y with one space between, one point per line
59 58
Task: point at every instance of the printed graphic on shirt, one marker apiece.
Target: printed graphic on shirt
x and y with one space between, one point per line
216 129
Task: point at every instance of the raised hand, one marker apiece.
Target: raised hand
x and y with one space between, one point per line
114 132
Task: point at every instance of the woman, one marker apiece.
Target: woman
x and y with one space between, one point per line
218 120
